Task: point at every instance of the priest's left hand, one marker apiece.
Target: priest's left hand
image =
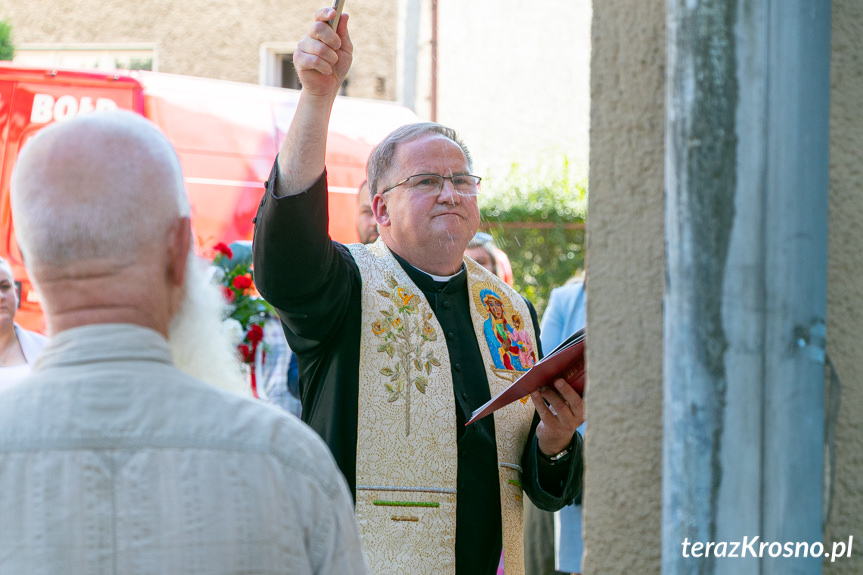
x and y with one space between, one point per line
560 417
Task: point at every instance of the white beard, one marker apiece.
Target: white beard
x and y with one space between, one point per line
201 345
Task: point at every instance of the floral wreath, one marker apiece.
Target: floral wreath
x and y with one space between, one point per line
245 310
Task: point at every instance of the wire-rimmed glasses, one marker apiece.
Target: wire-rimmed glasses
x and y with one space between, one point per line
428 184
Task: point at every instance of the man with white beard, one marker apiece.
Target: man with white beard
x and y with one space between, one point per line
201 345
111 458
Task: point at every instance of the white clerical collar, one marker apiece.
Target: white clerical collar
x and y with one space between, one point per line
441 278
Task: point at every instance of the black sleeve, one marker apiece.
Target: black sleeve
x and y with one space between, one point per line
550 485
314 284
305 275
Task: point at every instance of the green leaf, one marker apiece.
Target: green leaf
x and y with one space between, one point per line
428 367
387 371
384 293
434 361
391 350
417 364
421 383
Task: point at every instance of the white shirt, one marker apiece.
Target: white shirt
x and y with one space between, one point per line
113 461
31 344
13 374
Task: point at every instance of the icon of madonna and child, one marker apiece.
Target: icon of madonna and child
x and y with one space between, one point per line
509 344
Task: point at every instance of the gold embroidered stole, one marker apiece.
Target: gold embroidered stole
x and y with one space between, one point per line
406 438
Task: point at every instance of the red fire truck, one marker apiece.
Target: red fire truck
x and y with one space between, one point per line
226 135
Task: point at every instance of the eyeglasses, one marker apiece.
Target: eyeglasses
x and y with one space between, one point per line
428 184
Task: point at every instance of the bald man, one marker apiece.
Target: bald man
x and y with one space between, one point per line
118 461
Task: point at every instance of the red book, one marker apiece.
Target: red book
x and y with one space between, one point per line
566 361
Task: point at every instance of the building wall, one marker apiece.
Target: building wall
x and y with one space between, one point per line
193 38
845 277
625 279
513 79
622 505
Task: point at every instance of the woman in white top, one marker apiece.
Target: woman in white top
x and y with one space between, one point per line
18 347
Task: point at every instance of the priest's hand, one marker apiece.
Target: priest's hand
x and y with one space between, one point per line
324 55
561 411
322 60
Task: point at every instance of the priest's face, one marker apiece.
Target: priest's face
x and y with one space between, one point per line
427 224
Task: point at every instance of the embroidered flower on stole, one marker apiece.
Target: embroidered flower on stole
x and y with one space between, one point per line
404 332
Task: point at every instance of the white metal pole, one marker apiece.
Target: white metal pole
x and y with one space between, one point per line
746 227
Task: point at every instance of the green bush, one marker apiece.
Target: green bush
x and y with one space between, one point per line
7 50
537 217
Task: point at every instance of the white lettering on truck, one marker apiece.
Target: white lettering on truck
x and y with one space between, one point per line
46 108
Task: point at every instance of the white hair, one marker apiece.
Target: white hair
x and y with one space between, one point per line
102 185
200 342
382 158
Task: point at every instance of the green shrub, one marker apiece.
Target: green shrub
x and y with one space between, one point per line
537 217
7 50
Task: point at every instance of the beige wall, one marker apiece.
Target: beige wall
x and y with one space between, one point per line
514 80
623 496
845 276
191 37
622 509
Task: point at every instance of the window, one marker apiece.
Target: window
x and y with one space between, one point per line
277 65
91 56
289 73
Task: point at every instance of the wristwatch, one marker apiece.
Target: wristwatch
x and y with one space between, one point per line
557 457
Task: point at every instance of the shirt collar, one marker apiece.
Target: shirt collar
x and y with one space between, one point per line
104 342
426 281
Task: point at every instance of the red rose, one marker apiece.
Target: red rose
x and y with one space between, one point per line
245 353
224 250
255 335
228 294
242 282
